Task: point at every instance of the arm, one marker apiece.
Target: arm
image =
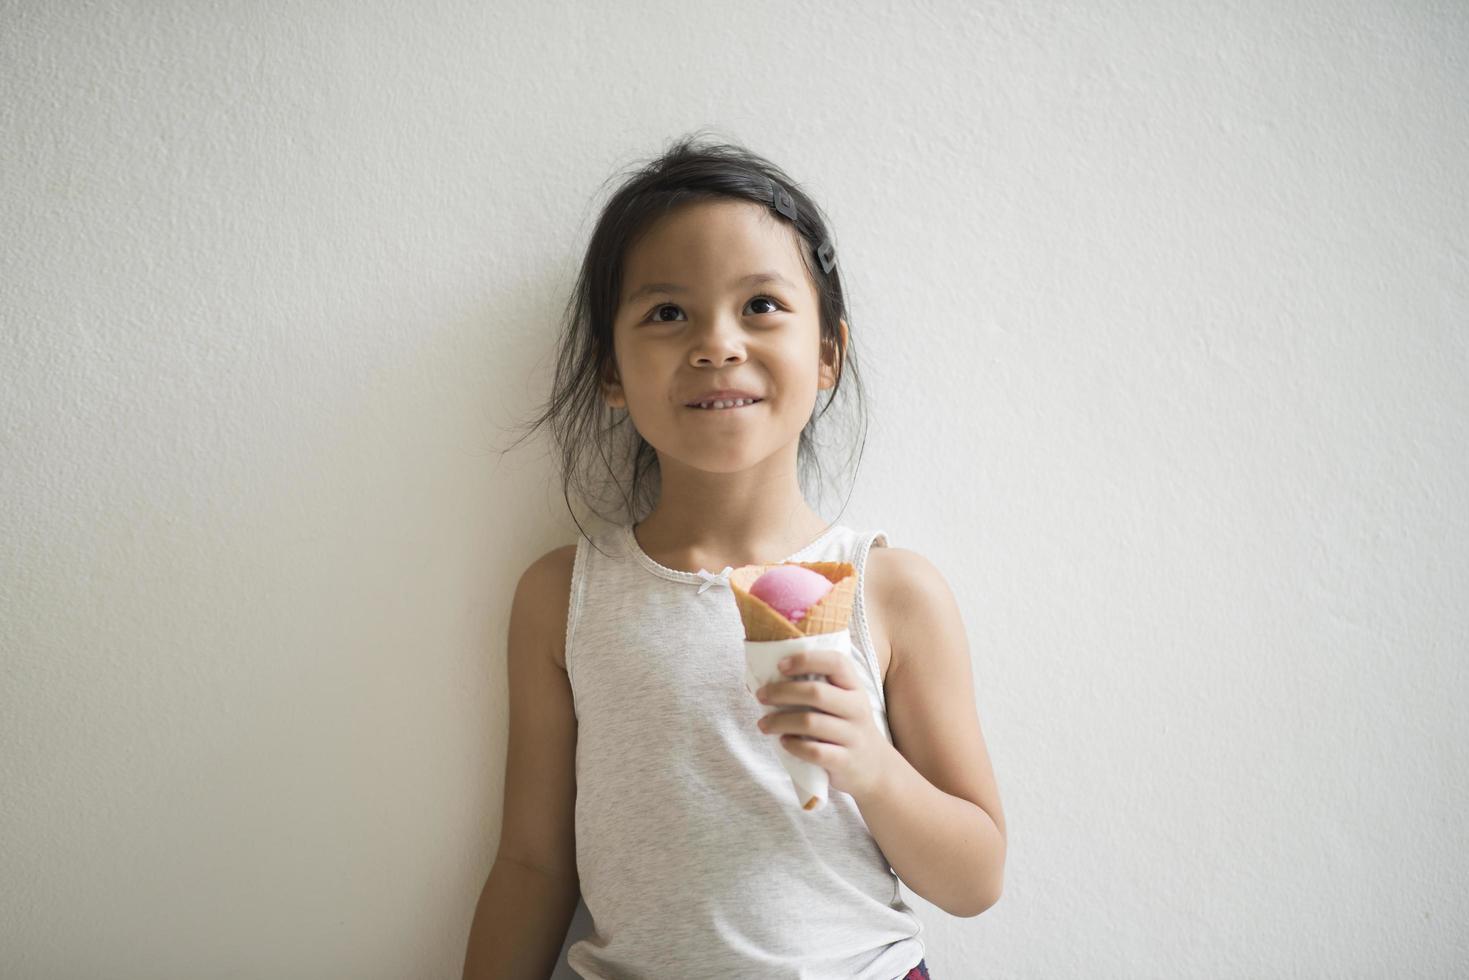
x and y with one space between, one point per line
520 923
942 846
935 811
528 900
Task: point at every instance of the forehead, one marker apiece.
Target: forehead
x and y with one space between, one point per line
710 244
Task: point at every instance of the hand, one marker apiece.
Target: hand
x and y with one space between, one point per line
844 738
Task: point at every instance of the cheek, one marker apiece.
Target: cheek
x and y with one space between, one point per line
644 383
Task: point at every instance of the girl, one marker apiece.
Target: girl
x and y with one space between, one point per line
708 319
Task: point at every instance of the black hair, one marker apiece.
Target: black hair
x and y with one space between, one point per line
585 428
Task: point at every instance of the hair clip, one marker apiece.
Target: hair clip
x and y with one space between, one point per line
782 201
827 254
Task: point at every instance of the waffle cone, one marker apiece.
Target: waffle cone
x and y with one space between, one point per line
830 615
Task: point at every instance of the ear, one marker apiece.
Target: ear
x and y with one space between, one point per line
832 359
612 392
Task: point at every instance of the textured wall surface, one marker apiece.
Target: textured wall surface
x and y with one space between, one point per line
1163 313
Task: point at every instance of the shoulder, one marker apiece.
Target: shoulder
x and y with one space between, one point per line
909 592
900 575
543 595
553 563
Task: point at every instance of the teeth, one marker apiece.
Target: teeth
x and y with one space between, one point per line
736 403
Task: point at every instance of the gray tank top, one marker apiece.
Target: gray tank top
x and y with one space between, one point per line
695 857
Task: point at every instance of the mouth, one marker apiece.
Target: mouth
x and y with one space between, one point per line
719 406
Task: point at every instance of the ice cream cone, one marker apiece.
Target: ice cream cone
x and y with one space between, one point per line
827 616
769 636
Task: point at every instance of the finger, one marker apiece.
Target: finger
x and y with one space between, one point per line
812 750
833 664
815 724
820 696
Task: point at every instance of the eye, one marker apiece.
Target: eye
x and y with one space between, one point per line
657 310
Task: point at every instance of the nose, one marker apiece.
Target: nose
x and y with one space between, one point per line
720 344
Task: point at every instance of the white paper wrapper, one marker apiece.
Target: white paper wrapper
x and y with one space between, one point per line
761 657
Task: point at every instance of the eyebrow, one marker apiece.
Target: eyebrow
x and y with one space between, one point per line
754 278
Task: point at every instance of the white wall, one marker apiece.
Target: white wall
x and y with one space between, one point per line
1163 309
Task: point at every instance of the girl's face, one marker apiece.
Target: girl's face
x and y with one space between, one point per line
693 317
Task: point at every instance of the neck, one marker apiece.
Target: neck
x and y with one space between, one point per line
710 520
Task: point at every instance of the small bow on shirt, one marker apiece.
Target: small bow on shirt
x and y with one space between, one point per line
710 578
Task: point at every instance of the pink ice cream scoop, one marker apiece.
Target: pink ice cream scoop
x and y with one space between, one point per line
790 590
